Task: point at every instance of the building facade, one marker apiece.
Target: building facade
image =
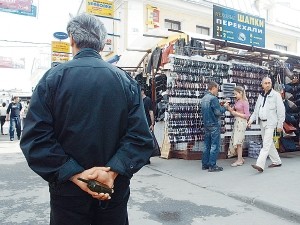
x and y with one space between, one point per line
134 18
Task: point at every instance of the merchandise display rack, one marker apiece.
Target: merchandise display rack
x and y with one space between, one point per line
187 82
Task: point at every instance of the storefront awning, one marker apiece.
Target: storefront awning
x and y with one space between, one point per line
150 39
142 46
130 60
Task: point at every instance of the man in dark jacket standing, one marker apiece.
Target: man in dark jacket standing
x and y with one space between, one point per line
86 120
211 112
13 114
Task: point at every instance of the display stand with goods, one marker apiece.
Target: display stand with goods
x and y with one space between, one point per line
187 83
184 77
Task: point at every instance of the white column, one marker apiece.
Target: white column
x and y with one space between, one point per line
298 47
136 20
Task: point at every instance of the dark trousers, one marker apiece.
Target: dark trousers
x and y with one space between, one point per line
2 118
85 210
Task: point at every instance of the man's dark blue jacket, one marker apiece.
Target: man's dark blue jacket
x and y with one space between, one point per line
85 113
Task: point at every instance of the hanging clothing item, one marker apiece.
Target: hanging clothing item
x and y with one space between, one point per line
160 85
155 60
165 54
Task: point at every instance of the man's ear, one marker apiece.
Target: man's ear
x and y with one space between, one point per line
72 42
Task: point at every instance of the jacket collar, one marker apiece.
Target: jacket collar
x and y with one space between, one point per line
270 92
87 52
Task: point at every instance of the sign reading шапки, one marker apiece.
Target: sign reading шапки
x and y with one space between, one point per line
238 27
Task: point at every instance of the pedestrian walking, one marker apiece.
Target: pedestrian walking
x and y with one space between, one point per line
13 115
148 109
2 115
86 120
269 111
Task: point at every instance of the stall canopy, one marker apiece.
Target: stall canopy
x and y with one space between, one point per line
131 60
138 50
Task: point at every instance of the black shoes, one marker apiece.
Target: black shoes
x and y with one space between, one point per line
215 169
18 138
274 165
205 167
259 169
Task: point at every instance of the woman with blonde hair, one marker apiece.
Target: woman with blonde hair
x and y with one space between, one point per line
240 111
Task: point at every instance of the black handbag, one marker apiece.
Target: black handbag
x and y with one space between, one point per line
156 148
288 144
288 88
289 118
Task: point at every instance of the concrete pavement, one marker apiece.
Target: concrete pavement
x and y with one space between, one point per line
275 190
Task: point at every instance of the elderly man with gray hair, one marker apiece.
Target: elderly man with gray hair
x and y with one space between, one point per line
86 123
269 111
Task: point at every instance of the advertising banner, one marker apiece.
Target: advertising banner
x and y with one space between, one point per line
23 5
31 12
60 57
152 17
60 46
60 52
100 8
238 27
12 62
109 45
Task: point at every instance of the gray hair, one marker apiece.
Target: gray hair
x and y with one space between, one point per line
87 32
266 78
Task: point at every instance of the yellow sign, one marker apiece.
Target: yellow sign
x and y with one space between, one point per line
60 57
60 46
100 8
152 17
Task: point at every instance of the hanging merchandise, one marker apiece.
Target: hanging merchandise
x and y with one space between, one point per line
228 89
288 128
186 85
287 144
279 86
155 60
254 149
249 76
187 80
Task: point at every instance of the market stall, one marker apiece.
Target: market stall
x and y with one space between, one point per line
191 68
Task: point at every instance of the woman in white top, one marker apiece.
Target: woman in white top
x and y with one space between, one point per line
2 115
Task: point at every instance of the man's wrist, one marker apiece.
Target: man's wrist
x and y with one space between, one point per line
113 174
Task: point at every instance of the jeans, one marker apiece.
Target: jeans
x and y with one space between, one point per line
85 210
15 122
211 150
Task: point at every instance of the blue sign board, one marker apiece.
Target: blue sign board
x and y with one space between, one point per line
60 35
32 12
238 27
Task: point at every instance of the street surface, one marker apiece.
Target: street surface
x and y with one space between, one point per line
168 192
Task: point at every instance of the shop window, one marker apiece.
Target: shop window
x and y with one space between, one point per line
202 30
172 24
281 47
